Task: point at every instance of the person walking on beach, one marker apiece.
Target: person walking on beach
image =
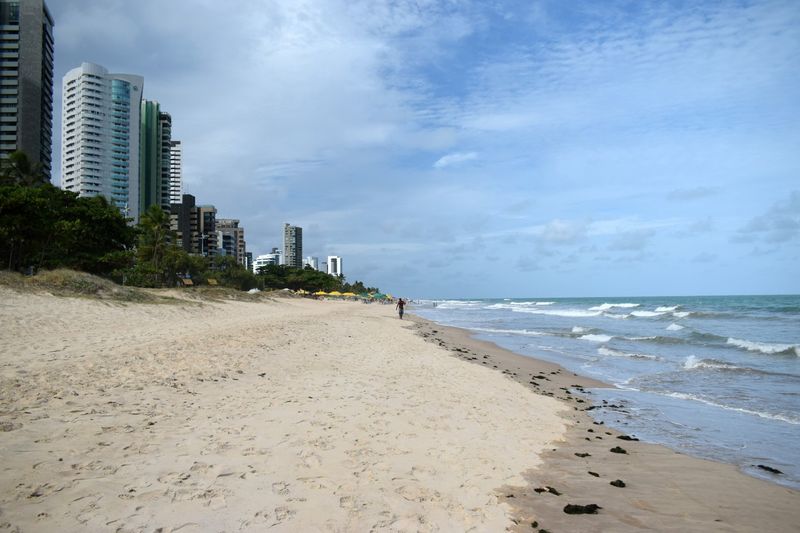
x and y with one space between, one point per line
400 305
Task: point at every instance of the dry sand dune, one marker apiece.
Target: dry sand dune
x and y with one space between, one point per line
290 414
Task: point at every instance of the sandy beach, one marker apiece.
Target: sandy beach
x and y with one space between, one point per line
298 415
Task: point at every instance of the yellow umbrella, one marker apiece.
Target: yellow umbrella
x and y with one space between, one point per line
320 293
348 294
334 293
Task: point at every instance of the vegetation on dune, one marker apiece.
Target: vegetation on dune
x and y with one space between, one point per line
43 228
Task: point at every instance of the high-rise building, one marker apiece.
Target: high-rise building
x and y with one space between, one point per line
272 258
293 246
165 159
155 141
175 172
100 136
207 230
183 221
230 238
334 265
26 81
313 262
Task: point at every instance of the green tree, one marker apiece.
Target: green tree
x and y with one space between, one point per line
18 169
45 227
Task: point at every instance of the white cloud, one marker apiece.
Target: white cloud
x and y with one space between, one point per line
454 159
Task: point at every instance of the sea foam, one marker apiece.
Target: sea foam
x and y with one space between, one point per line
606 307
617 353
596 338
764 347
674 327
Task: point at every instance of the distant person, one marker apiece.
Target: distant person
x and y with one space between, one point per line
400 305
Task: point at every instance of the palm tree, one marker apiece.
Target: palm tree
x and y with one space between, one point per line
18 169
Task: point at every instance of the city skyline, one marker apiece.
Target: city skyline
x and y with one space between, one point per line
485 150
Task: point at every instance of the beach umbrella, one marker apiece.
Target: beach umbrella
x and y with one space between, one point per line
334 293
320 293
378 296
348 294
365 295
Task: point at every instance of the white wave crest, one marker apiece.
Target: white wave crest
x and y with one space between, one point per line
681 314
616 316
596 338
606 307
674 327
666 309
457 304
646 314
616 353
525 332
693 362
764 347
578 329
545 303
570 313
684 396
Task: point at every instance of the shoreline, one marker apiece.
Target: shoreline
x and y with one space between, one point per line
663 489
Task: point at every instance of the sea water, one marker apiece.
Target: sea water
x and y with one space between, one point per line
716 377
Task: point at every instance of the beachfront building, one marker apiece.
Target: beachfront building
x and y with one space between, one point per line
183 221
230 238
100 136
248 260
165 159
26 81
293 246
313 262
154 157
195 226
207 230
272 258
334 265
175 172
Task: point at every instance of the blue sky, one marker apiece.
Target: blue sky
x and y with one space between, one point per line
479 148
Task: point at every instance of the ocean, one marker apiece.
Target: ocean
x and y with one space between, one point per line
716 377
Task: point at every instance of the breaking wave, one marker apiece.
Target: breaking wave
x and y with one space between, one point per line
617 353
606 307
674 327
596 338
765 347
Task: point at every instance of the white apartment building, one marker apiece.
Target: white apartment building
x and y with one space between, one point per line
334 265
175 172
272 258
100 135
311 261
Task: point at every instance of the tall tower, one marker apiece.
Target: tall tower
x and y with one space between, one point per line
100 136
154 156
175 172
26 81
334 265
293 245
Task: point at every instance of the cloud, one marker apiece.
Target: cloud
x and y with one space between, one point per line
781 223
693 193
704 257
632 241
563 232
454 159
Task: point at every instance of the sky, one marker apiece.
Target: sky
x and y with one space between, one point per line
475 149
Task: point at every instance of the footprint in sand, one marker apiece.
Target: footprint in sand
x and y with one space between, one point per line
280 488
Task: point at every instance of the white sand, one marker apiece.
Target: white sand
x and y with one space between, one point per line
137 417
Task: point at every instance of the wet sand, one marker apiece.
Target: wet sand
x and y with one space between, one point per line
663 490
